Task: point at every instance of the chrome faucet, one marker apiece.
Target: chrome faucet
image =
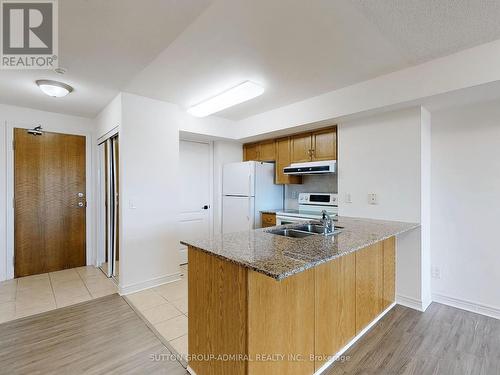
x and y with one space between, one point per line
327 222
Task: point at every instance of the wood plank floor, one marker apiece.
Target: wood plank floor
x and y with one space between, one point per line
102 336
442 341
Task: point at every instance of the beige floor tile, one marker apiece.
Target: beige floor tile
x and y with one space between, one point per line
173 328
161 313
181 305
8 291
89 271
75 287
64 275
173 291
103 292
146 299
63 300
97 283
33 282
22 311
180 345
34 296
7 311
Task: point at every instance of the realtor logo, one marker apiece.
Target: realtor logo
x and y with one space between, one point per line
29 34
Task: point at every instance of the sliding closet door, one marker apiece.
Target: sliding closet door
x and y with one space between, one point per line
109 152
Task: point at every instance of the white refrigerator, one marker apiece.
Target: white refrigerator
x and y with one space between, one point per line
248 188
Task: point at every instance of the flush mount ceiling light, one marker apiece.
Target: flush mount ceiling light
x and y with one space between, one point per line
54 88
238 94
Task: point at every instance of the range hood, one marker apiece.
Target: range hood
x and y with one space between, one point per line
313 167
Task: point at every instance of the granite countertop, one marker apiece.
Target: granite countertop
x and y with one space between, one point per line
270 211
279 257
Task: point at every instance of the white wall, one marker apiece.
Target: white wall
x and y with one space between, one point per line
149 154
224 152
467 68
12 116
466 206
383 155
110 117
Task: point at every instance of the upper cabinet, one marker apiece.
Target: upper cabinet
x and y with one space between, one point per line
251 151
261 151
267 151
299 148
283 159
324 144
315 146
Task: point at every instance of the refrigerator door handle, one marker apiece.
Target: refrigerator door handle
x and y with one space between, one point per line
249 197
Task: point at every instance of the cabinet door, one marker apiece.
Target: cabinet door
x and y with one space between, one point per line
335 307
369 284
389 271
268 220
301 147
251 152
267 151
282 161
324 144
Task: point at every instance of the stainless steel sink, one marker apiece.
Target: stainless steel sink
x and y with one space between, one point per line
290 233
303 230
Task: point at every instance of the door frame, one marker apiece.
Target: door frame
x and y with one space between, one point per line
89 178
211 181
100 198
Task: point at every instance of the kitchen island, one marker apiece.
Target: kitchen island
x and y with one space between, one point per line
262 303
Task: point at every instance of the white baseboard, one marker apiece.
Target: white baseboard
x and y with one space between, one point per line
475 307
353 341
410 302
157 281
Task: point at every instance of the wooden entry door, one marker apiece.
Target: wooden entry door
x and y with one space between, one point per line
49 202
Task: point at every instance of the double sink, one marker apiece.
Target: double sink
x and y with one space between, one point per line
304 230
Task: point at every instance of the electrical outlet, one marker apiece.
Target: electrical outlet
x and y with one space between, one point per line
295 194
435 272
372 198
348 198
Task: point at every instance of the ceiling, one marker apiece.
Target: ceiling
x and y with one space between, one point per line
102 44
183 51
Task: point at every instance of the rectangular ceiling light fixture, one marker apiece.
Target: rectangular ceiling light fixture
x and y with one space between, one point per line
238 94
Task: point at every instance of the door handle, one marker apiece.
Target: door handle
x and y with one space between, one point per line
205 207
81 204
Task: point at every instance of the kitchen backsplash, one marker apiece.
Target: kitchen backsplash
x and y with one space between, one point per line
310 184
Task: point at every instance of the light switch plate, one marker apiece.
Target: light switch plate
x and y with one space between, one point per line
348 198
372 198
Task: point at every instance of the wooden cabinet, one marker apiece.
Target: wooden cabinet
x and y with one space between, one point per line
335 306
251 152
315 146
324 145
268 220
283 160
262 151
301 148
267 151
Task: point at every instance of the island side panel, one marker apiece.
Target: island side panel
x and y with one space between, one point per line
335 306
369 284
281 322
217 298
389 271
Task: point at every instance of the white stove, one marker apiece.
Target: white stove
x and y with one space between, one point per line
311 206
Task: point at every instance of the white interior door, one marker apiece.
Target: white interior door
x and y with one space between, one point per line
195 176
